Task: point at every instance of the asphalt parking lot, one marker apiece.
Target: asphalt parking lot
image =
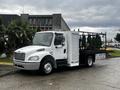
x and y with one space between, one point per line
104 75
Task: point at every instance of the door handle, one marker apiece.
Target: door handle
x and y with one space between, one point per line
64 50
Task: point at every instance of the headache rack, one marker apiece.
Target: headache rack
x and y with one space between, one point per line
92 41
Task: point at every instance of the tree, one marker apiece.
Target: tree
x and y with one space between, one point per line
19 34
93 42
117 38
89 41
2 37
83 41
0 21
98 41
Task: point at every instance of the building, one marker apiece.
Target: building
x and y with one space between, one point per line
46 22
39 22
7 18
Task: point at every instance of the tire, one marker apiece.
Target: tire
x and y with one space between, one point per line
46 67
89 61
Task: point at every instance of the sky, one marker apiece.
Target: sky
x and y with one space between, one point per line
88 15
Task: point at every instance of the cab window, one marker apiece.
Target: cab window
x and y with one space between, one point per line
59 39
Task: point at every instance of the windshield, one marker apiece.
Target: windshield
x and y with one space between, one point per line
43 39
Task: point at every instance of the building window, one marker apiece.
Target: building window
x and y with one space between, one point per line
50 22
46 28
30 21
46 22
42 22
50 28
34 21
38 22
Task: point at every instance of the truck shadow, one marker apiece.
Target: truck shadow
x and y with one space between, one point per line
57 71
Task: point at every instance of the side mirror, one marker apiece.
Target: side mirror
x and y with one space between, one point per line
63 44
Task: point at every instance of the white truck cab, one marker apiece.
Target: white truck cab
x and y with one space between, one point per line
51 49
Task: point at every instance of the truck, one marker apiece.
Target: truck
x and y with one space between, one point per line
52 49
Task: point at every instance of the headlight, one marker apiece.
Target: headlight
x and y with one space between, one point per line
34 58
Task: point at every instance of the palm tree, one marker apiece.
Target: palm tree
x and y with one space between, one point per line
19 34
2 37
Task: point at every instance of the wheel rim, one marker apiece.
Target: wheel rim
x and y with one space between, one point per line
90 61
48 68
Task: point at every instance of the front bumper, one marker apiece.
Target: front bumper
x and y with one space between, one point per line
27 65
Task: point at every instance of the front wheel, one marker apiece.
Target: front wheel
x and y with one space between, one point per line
46 67
89 61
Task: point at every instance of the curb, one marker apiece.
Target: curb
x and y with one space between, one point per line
8 73
4 63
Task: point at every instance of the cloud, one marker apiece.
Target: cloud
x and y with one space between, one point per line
77 13
110 31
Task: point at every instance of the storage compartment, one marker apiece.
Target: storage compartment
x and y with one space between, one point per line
73 48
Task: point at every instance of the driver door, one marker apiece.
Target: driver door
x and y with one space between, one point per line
60 46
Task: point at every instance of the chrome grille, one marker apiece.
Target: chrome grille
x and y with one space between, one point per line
19 56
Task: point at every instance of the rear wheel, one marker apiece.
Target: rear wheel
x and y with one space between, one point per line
89 61
46 67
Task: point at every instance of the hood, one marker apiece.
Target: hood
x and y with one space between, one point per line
31 49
